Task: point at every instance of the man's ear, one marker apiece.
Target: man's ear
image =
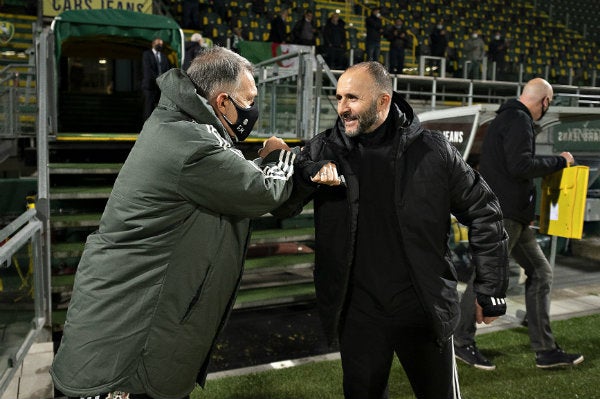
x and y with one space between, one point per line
220 101
384 100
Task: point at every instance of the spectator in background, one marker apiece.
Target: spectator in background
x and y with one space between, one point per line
474 50
236 39
438 40
278 32
192 49
384 282
497 52
304 31
509 164
374 31
190 11
334 38
159 277
398 42
154 64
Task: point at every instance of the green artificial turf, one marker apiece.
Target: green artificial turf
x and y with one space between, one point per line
515 377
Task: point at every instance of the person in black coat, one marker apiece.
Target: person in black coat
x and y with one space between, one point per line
334 37
304 31
278 32
398 42
438 40
193 48
154 64
384 280
374 32
509 164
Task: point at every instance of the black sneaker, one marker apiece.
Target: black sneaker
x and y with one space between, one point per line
471 355
556 358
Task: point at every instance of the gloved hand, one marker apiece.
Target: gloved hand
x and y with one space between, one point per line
491 306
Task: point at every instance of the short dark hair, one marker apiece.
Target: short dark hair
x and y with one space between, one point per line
380 75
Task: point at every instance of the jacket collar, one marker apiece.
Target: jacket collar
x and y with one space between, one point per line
178 93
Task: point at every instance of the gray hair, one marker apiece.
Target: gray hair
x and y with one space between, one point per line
216 70
382 78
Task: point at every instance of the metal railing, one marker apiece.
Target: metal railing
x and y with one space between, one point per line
17 101
285 95
25 293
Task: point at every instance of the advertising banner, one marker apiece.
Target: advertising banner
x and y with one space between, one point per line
52 8
577 136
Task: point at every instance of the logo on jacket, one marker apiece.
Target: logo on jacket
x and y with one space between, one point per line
7 31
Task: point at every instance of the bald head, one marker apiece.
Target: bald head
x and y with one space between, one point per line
537 95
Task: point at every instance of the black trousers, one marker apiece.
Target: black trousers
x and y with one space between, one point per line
367 349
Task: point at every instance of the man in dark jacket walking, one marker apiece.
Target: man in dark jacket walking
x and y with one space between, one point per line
384 278
509 164
158 279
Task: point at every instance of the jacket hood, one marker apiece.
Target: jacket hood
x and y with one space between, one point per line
179 93
401 115
514 104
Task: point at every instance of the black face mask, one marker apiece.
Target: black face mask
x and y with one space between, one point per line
158 47
246 119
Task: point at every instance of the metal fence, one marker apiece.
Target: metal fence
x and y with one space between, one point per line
24 291
18 101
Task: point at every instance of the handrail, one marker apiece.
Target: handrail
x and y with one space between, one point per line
26 230
282 57
16 224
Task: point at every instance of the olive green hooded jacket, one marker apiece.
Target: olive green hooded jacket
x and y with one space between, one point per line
156 282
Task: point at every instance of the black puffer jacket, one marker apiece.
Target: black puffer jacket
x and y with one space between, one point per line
509 164
432 182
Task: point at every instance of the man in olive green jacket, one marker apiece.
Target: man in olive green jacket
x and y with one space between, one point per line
157 281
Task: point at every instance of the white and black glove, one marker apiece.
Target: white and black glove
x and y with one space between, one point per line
491 306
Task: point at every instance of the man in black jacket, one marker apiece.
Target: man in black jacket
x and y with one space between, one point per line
509 164
384 279
374 32
334 37
154 64
278 32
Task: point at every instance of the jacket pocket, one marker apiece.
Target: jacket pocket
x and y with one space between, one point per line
192 303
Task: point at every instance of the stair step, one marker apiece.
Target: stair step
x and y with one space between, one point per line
273 296
277 263
63 250
57 193
90 137
279 235
77 220
85 168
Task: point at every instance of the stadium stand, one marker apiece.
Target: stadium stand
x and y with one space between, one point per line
558 36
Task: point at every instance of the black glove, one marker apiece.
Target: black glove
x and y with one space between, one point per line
491 306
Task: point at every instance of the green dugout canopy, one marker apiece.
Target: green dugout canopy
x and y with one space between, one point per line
114 33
